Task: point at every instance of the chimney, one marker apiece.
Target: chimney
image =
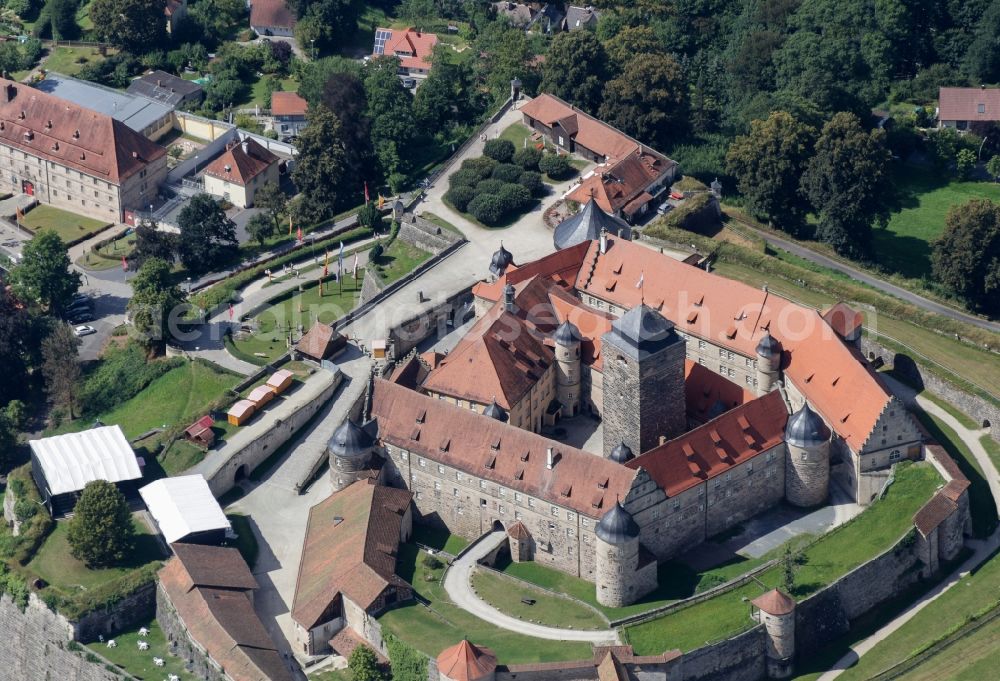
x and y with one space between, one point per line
159 83
76 134
228 168
550 458
663 440
508 299
10 92
604 240
135 154
246 147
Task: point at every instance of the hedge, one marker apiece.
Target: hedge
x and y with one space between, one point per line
507 172
499 150
528 158
34 530
555 166
461 196
407 664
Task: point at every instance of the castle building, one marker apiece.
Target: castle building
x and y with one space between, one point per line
776 611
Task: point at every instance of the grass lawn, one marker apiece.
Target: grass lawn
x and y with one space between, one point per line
974 594
332 675
441 222
992 448
246 541
974 657
258 93
981 506
506 594
519 135
926 196
398 260
439 539
302 309
433 629
827 559
139 663
108 256
66 574
70 60
69 226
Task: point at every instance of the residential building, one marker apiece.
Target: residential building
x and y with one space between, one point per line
629 176
168 89
580 17
413 48
518 14
965 108
347 573
289 112
174 12
240 171
272 18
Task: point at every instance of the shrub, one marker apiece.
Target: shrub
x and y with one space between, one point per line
464 177
531 181
696 213
489 186
121 376
507 172
487 208
482 166
555 166
514 198
432 563
101 532
499 150
25 509
528 158
376 252
460 196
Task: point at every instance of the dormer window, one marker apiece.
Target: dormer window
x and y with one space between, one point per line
981 108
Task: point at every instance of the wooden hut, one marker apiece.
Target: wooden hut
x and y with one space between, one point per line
200 432
241 412
280 381
260 396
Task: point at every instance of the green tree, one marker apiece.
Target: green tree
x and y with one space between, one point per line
61 368
62 14
788 571
260 227
136 26
768 165
344 95
966 257
508 56
631 42
499 150
575 69
556 166
364 664
369 216
17 340
270 199
9 426
154 298
150 242
982 61
320 171
329 22
390 108
44 276
101 532
208 236
846 182
445 95
965 162
417 12
648 100
993 168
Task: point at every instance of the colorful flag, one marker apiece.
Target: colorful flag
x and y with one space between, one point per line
326 265
366 193
289 224
299 234
19 213
381 200
642 278
124 264
355 273
231 311
340 259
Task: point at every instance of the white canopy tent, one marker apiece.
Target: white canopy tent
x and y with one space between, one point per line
70 461
183 506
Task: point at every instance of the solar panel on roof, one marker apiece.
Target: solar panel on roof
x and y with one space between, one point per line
381 36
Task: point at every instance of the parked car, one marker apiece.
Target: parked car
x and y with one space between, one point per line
83 316
83 330
409 83
81 305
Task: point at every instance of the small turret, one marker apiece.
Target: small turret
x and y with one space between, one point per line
502 259
350 451
567 355
617 526
621 453
776 611
495 411
768 363
619 577
807 466
508 299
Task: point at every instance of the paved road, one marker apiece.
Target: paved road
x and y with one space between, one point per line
871 280
982 549
457 584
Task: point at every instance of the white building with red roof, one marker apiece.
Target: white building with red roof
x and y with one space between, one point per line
242 169
964 108
413 48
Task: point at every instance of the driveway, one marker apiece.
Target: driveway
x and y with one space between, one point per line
457 584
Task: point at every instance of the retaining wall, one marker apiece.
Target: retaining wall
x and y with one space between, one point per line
128 613
740 658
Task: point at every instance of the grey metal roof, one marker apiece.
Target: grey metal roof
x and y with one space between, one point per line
495 411
642 331
806 428
163 87
135 111
617 526
769 346
350 441
502 259
587 226
621 453
566 334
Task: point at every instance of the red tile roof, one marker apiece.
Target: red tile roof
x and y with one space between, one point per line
562 266
271 13
835 379
716 446
775 602
519 531
843 319
466 662
933 513
241 162
417 45
962 104
498 452
616 185
349 549
64 133
200 426
288 104
320 341
703 388
221 617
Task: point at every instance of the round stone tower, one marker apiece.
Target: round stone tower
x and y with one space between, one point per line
807 466
617 557
350 450
768 363
621 453
776 611
567 352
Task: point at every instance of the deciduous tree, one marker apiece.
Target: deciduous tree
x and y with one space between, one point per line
364 664
44 276
101 533
993 167
133 25
768 164
966 257
648 100
208 236
575 69
270 199
60 367
320 171
390 107
344 95
152 243
154 297
260 227
846 182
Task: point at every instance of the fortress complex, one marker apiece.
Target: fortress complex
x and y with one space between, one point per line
718 401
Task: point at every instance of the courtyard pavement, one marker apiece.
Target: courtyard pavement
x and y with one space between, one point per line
457 584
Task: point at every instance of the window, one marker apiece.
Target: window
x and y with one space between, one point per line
405 455
570 532
501 509
503 491
441 469
552 526
458 475
482 502
701 344
388 450
585 522
454 491
722 353
677 504
419 495
722 369
482 484
570 516
804 456
517 496
413 477
422 462
517 515
531 502
555 511
750 468
437 484
895 455
981 108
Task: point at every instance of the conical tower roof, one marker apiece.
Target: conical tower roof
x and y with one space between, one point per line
350 441
502 259
806 428
495 411
617 526
466 662
769 346
775 602
587 225
621 453
566 334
